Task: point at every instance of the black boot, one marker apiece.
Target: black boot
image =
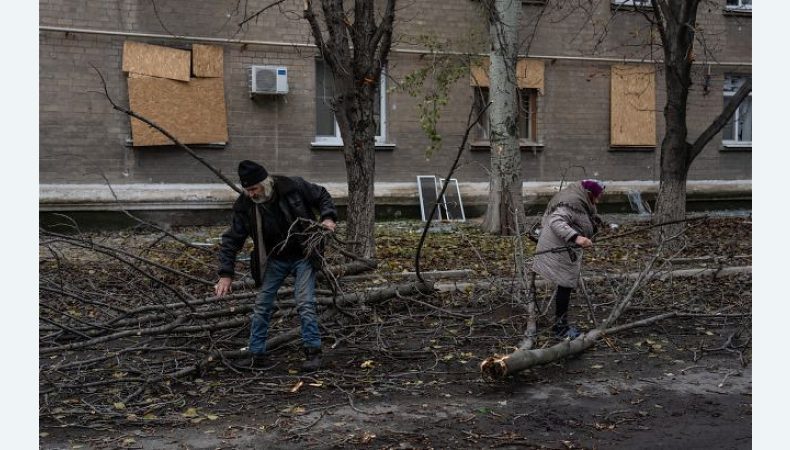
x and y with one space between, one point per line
253 361
561 328
564 331
312 359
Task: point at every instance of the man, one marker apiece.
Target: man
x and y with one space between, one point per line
275 211
571 218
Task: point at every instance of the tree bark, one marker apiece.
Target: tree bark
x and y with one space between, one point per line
504 199
358 128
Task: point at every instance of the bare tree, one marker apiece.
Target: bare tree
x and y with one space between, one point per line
676 22
355 47
504 198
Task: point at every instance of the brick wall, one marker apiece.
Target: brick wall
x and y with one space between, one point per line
83 139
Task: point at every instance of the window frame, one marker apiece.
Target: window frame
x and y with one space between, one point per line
728 94
336 140
530 95
739 7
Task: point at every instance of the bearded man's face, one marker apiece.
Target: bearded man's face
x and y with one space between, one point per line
261 192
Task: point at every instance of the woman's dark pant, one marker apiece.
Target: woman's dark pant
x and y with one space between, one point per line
562 298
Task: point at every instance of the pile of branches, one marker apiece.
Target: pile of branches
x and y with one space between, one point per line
118 319
125 318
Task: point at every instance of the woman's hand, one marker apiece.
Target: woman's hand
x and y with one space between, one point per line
583 242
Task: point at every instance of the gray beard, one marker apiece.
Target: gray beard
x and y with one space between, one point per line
260 200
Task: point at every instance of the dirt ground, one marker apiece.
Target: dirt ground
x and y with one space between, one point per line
406 375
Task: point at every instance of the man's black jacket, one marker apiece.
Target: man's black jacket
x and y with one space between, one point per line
295 197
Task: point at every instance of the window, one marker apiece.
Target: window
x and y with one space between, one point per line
327 131
527 114
738 131
739 5
632 106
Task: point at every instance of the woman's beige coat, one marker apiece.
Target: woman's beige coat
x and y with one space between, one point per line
570 213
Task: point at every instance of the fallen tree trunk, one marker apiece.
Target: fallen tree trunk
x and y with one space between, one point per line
497 368
370 297
448 286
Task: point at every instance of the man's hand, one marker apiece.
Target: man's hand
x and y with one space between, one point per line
329 224
223 286
583 242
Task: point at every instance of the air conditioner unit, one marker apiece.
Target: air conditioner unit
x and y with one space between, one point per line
268 80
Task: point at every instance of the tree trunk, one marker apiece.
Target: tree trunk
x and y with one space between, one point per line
504 199
676 23
359 151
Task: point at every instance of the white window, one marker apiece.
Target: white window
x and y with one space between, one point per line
738 131
527 113
327 132
739 5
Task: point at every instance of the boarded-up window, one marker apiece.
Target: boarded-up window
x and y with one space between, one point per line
194 111
155 61
633 106
161 90
529 73
207 60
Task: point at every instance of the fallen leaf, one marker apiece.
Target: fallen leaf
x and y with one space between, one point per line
367 364
297 386
119 405
294 410
190 412
367 437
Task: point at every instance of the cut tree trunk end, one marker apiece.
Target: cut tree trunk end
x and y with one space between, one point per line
499 367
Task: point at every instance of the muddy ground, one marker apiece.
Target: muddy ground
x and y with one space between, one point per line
405 374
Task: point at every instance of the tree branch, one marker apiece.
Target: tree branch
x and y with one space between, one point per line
260 11
720 121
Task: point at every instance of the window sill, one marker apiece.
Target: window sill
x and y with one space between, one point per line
636 148
339 146
740 12
209 146
523 144
736 147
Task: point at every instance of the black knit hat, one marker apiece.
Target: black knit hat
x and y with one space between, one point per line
251 173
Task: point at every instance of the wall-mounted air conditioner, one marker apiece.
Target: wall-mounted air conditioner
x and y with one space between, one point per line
268 80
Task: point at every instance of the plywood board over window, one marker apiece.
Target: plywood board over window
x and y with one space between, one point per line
194 111
633 106
529 73
155 61
207 60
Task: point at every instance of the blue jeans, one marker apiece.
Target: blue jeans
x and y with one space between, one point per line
304 287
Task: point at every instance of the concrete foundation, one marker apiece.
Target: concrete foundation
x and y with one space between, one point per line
95 206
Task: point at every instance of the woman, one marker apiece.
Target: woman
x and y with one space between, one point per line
570 218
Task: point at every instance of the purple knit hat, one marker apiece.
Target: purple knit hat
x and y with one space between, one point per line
594 187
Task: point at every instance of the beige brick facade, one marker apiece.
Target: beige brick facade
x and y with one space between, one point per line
83 138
